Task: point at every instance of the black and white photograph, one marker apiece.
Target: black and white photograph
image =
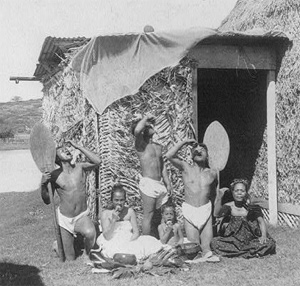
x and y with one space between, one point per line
150 142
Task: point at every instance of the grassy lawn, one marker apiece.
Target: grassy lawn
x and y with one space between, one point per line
27 235
10 146
20 142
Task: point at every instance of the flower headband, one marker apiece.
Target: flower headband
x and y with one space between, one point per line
239 181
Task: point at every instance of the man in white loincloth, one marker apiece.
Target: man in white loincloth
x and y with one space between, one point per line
200 184
154 183
72 213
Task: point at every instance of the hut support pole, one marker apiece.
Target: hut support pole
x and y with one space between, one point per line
271 139
195 100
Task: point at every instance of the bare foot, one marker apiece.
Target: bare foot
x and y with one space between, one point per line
208 257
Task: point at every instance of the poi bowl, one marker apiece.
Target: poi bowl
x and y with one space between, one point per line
190 249
125 258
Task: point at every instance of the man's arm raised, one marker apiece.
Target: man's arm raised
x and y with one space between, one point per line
138 131
172 153
145 121
92 157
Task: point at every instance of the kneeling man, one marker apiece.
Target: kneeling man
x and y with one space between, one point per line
200 184
72 213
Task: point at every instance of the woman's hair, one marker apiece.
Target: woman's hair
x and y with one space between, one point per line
240 181
117 188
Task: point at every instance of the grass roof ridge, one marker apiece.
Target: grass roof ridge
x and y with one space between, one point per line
283 15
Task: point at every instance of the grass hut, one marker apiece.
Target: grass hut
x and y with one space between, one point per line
284 16
93 91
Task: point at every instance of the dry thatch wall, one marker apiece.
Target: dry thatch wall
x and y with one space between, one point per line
69 116
282 15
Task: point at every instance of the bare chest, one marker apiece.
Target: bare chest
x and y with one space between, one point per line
152 151
194 176
71 181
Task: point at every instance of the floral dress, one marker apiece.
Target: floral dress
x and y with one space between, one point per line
239 235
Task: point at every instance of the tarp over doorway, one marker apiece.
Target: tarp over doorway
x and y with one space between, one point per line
113 66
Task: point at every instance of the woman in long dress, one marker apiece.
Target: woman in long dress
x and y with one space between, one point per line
120 232
243 232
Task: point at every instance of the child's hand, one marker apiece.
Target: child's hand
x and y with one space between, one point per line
263 239
115 215
169 225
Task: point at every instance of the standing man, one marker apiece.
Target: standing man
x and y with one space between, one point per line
200 184
72 213
154 183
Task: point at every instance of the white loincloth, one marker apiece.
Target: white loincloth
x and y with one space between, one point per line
120 242
154 189
197 216
68 223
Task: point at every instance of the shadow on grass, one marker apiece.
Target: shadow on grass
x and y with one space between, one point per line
14 274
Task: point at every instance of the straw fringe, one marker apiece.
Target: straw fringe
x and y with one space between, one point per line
284 16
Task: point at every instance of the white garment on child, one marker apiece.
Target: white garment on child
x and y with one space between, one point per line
120 242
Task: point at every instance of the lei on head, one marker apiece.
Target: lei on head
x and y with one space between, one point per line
240 181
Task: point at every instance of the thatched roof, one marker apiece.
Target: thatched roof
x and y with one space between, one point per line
282 15
53 52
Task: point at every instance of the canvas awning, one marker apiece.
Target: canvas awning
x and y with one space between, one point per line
113 66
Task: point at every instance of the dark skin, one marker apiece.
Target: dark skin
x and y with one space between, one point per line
69 182
240 194
149 152
200 181
119 212
200 184
170 231
152 165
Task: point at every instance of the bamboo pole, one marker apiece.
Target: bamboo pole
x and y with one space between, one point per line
271 139
195 100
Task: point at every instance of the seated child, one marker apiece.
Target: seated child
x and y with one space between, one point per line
169 230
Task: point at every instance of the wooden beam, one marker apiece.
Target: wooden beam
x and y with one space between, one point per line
23 78
195 100
271 140
281 207
234 57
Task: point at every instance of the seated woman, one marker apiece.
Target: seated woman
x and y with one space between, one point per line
120 230
243 232
169 230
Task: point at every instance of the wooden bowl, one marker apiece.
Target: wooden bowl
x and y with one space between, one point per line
125 258
190 249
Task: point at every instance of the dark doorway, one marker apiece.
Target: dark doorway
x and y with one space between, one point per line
237 99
